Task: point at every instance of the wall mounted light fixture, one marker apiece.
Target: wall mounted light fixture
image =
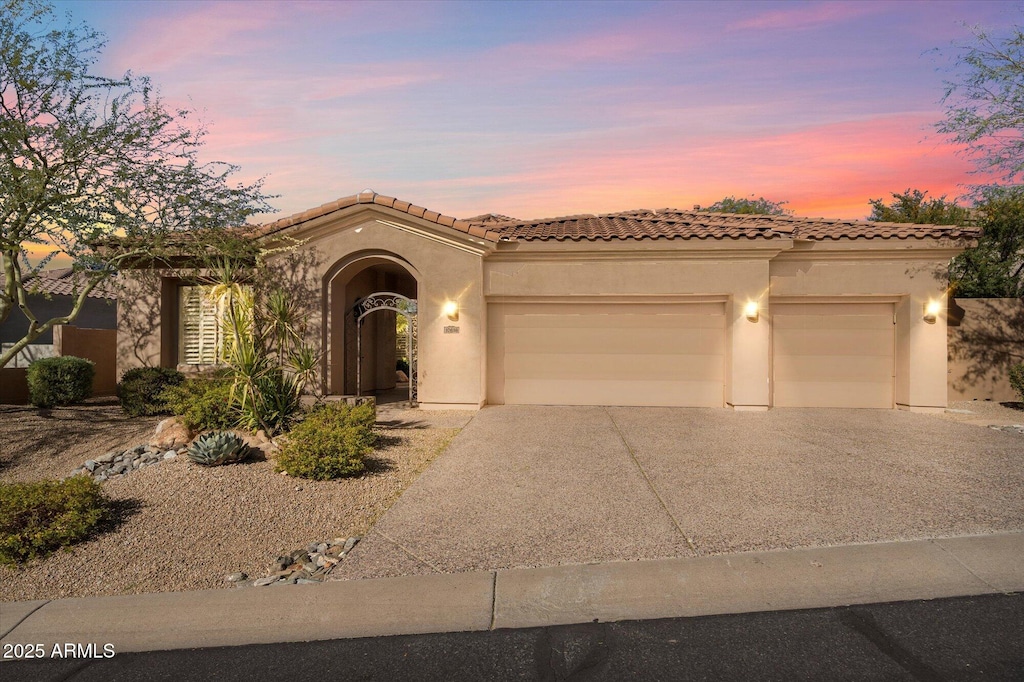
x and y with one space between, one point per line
751 310
451 310
931 310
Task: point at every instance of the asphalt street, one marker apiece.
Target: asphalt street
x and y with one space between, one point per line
963 638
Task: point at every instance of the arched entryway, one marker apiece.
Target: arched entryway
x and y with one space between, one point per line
368 294
405 334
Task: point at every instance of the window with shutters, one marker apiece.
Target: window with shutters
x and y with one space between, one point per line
199 326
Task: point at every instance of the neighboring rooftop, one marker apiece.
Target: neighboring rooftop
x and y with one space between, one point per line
667 223
65 282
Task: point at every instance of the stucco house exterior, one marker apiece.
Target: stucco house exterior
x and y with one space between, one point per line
643 307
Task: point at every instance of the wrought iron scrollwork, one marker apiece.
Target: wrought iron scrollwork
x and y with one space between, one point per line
403 305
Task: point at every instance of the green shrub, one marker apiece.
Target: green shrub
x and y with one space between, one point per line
218 447
203 403
40 517
60 381
273 401
332 441
141 390
1017 379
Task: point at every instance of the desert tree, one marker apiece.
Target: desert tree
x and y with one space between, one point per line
745 205
86 159
984 102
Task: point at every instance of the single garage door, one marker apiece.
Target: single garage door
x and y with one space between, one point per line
833 354
670 354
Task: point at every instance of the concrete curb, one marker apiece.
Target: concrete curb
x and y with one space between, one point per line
736 583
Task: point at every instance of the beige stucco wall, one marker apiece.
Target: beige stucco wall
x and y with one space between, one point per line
141 304
910 277
451 366
449 265
986 340
632 273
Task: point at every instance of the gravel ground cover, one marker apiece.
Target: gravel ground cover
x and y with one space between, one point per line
984 413
185 527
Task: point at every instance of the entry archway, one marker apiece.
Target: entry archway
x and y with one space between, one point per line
400 305
362 357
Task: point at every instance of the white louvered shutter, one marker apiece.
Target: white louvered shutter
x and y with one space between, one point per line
200 327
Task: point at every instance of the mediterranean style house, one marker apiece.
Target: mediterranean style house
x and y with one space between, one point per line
643 307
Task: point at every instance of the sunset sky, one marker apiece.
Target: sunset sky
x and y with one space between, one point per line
545 109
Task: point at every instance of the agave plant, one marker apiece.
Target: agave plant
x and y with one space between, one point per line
217 447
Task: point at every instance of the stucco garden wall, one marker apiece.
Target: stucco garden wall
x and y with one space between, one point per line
986 337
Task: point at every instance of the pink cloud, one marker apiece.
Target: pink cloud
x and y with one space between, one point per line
202 31
806 15
827 170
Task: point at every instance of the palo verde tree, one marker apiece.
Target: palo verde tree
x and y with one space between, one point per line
993 268
984 103
85 158
759 206
912 206
984 112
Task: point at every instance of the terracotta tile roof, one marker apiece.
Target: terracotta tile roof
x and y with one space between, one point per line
368 196
666 223
65 282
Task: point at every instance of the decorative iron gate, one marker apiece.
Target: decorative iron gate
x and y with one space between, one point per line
402 305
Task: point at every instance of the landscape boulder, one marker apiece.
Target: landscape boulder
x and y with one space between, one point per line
170 434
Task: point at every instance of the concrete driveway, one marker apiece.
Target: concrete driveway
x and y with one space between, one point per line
525 486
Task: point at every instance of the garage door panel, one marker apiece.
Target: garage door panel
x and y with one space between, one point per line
615 366
836 343
574 319
612 392
833 394
851 322
834 368
588 340
608 354
833 355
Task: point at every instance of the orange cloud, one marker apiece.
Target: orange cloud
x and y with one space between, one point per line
826 170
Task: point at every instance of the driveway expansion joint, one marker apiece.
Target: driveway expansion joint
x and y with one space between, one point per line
494 598
23 619
411 553
650 484
938 543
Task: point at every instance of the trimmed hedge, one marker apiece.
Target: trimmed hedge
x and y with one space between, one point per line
62 380
331 442
1017 379
40 517
141 390
203 403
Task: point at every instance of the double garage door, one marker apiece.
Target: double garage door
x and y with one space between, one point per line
669 354
674 354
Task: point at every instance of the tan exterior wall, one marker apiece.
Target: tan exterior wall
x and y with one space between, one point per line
451 366
652 274
98 345
856 273
143 300
986 341
448 265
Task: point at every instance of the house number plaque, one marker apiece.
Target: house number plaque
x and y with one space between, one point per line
451 329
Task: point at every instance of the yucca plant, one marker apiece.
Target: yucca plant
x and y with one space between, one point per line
217 447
